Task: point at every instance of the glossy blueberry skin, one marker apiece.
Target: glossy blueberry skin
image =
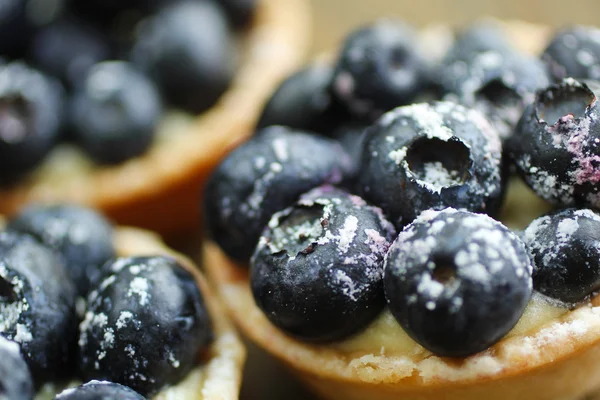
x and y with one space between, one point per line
115 114
426 156
31 108
265 175
304 101
156 321
35 285
499 84
565 251
316 273
379 68
15 379
188 49
457 281
82 236
99 390
574 52
68 48
555 146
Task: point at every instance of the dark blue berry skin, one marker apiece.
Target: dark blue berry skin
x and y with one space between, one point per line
239 12
187 48
316 273
145 325
566 257
82 236
574 52
430 156
115 114
499 84
99 390
34 284
457 281
265 175
556 145
67 49
15 28
379 68
304 101
15 379
31 108
480 37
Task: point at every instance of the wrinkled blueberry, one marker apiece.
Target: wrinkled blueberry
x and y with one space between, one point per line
379 68
556 145
99 390
188 50
565 251
456 281
574 52
67 50
115 114
303 101
262 176
145 324
499 84
426 156
82 236
37 300
30 118
15 379
316 272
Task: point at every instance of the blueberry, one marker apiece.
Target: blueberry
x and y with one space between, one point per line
30 118
316 272
115 115
15 379
188 49
240 12
499 84
82 236
456 281
574 52
565 250
262 176
15 28
430 156
145 324
99 390
479 37
304 101
379 68
37 301
556 145
68 48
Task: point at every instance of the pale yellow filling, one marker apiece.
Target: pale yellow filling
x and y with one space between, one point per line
385 336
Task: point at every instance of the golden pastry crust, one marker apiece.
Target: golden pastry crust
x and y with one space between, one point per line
160 190
556 361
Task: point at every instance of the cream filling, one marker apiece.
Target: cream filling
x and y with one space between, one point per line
385 336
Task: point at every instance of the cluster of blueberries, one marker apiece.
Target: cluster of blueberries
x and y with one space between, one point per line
71 309
100 73
373 181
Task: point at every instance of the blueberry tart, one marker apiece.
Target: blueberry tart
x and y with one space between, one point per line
146 325
367 298
139 158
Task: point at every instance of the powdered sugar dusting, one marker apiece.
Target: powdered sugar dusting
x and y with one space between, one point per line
139 287
12 312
